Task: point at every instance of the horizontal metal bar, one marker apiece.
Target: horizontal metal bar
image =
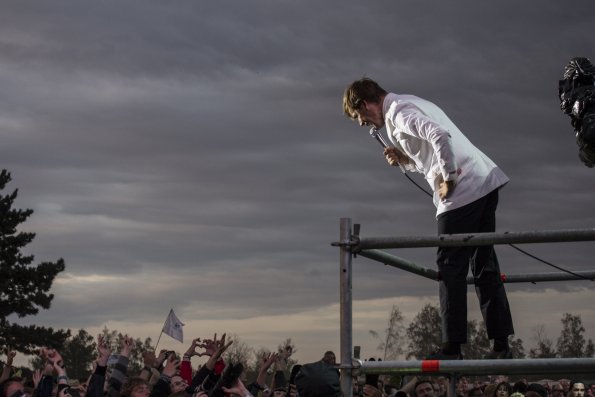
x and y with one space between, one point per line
458 240
404 264
400 263
538 366
541 277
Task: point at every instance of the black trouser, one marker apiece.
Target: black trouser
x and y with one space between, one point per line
453 265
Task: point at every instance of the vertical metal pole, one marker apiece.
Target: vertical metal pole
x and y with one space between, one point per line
452 385
346 307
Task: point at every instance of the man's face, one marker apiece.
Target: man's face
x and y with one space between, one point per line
370 114
578 390
424 390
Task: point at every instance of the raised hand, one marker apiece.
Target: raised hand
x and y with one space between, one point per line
37 375
160 358
127 345
210 346
171 365
103 350
149 358
268 360
10 355
192 349
220 347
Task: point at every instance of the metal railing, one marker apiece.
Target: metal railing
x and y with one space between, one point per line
350 244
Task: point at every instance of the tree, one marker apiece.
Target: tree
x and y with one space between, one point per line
394 336
545 346
424 332
516 347
78 354
238 352
571 342
114 341
478 344
24 287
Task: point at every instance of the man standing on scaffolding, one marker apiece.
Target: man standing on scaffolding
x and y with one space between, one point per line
465 184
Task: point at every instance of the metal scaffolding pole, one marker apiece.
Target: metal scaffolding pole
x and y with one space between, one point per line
346 306
462 240
538 366
395 261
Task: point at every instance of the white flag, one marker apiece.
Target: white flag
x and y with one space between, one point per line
173 326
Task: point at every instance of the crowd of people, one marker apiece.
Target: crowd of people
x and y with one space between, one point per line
167 374
499 386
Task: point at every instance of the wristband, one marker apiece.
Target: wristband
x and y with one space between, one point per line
62 377
165 377
186 357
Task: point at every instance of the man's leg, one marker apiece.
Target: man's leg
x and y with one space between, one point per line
488 284
453 265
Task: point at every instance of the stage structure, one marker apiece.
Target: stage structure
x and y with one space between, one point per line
351 244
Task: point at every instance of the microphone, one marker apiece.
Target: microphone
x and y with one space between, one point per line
374 133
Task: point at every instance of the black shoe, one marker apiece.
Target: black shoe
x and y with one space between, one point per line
503 355
440 355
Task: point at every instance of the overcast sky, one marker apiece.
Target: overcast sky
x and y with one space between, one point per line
194 155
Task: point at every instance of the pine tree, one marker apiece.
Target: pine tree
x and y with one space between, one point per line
572 343
424 332
478 344
23 286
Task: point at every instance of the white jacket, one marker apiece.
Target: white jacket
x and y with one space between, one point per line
440 151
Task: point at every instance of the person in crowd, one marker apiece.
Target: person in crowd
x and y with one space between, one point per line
10 355
518 389
329 358
266 361
465 185
475 391
565 385
423 388
557 390
576 389
539 390
503 389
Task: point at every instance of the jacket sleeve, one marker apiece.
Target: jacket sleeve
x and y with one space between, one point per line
45 386
186 371
96 383
118 376
412 121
